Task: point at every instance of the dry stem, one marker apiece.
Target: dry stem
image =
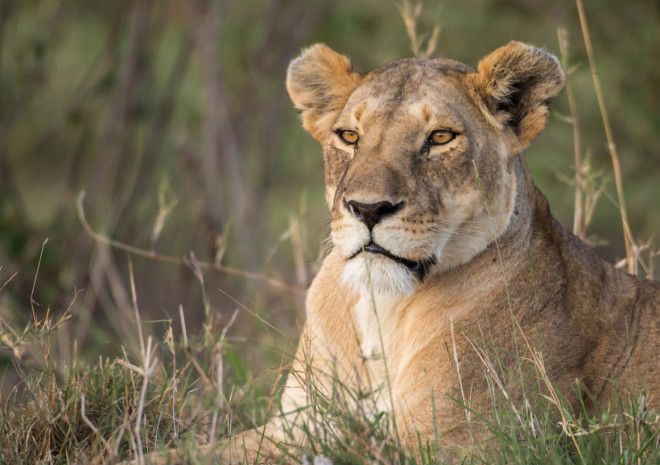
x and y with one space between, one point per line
410 15
579 223
151 254
616 166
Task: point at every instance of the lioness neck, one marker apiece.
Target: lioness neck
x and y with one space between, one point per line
456 290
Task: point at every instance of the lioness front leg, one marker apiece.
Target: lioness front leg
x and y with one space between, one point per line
259 445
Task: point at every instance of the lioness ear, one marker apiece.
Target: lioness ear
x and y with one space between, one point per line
319 82
516 82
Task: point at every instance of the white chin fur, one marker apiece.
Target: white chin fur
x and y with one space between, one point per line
374 273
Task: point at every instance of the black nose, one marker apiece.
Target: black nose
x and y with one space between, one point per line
372 213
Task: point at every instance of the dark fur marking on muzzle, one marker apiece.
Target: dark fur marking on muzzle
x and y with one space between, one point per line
419 268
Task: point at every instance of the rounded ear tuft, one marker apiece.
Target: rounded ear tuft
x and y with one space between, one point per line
516 82
319 82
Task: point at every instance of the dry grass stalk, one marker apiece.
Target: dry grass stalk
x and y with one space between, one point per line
468 413
149 363
94 429
153 255
165 207
34 282
298 251
589 185
645 256
410 14
138 321
219 376
294 234
614 155
579 223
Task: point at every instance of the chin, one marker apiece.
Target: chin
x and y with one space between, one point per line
372 273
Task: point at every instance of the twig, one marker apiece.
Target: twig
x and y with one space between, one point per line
616 166
254 314
94 429
164 210
579 223
186 348
184 330
8 280
410 15
34 283
151 254
223 336
468 411
138 320
298 250
219 377
149 362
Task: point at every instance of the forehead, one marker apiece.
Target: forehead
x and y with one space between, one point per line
430 88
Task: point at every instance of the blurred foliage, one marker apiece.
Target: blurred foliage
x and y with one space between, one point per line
143 102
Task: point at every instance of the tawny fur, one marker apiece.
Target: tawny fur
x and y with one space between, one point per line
504 266
322 81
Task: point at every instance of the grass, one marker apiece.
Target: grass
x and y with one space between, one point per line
117 407
174 394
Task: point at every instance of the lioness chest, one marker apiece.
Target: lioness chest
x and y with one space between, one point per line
400 336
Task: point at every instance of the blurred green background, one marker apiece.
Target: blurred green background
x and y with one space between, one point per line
173 117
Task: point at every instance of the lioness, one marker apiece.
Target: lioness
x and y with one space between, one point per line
439 235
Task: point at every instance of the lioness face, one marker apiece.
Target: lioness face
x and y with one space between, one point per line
419 155
425 186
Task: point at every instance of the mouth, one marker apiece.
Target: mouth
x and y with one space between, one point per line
418 268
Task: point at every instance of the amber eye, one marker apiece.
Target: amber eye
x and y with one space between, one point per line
348 137
441 136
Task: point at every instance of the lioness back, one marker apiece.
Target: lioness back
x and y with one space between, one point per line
619 312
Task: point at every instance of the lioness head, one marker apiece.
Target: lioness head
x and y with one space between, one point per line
419 154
